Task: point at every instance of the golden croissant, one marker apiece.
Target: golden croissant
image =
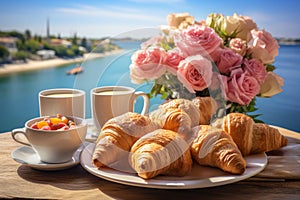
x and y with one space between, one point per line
252 137
173 119
213 147
207 107
185 105
117 136
161 152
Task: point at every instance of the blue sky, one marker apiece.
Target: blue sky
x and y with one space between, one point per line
101 18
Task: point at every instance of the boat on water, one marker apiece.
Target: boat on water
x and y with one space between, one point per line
75 70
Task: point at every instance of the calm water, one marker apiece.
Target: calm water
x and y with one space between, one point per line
19 92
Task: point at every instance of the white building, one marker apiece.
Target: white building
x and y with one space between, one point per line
10 43
46 54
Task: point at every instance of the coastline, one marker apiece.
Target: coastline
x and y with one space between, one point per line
7 69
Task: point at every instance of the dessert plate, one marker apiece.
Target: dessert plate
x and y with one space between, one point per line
26 155
199 177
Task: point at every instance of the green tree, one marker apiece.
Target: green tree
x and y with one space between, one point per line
20 55
76 50
70 53
60 51
27 35
84 42
37 38
74 39
31 46
47 46
16 34
4 53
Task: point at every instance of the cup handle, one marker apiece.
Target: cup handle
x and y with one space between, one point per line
19 131
146 101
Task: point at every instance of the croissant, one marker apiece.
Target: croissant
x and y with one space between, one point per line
213 147
173 119
185 105
207 107
117 136
251 137
162 152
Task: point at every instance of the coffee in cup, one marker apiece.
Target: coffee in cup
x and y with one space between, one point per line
65 101
111 101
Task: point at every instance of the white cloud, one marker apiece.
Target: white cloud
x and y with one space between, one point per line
111 12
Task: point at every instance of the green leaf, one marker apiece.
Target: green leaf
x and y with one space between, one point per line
164 95
270 68
258 121
254 116
246 109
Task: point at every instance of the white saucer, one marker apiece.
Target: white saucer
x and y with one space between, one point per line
26 155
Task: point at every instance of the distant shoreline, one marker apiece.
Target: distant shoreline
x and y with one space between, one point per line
31 65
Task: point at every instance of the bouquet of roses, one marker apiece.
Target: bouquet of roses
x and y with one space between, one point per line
226 57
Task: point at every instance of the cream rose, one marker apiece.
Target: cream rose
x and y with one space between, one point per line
238 45
241 25
272 85
180 20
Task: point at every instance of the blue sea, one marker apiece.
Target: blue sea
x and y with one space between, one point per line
19 91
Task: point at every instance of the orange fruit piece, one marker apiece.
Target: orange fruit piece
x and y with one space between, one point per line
64 119
41 124
55 120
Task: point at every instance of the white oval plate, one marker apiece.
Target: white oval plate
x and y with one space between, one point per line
26 155
199 177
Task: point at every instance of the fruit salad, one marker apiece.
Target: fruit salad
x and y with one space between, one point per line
59 122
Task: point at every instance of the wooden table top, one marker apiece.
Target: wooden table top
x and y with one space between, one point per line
21 181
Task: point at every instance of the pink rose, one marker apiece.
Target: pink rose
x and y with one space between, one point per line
272 85
195 72
238 45
241 87
147 64
226 60
197 40
172 61
263 46
255 68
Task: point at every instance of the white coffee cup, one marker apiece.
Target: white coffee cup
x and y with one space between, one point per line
63 101
111 101
53 146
